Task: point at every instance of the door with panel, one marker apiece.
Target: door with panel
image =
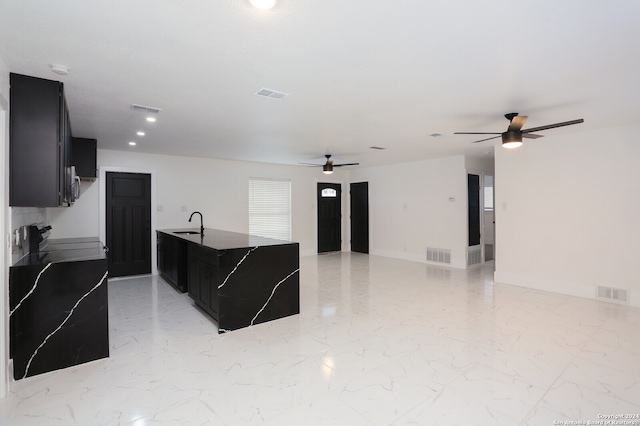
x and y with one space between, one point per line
128 230
329 217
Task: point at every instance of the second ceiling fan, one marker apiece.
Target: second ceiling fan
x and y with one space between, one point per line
512 138
327 168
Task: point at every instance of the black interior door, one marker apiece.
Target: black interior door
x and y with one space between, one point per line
329 217
129 223
360 217
473 198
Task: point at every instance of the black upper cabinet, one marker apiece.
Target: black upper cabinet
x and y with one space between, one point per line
40 142
84 157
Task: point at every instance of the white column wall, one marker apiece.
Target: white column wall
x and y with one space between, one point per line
568 213
5 225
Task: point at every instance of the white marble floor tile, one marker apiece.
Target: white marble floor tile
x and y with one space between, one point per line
378 342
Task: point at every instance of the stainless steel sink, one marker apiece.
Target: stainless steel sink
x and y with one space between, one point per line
186 232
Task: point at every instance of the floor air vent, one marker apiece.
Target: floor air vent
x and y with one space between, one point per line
613 294
438 255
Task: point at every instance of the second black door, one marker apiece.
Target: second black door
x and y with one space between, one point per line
360 217
329 217
473 188
129 223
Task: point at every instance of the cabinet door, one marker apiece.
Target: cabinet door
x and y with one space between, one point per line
213 285
171 259
194 278
160 251
206 280
84 157
37 128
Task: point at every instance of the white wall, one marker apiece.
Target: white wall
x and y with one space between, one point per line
409 208
568 213
4 226
217 188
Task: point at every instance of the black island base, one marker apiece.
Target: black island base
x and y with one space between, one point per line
240 280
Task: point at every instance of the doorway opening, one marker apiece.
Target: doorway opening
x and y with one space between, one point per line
481 219
329 217
489 220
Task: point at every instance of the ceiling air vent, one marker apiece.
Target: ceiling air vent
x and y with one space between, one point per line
273 94
147 109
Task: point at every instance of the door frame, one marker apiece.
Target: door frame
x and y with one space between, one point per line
103 207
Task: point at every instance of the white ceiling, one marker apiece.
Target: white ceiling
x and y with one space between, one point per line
359 73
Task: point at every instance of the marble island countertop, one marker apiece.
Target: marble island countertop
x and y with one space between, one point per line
223 240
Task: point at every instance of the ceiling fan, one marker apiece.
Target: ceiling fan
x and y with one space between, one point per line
512 138
327 168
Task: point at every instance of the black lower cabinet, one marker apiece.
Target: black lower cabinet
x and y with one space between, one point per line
172 261
203 278
58 315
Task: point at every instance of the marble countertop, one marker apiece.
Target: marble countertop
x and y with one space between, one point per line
224 240
66 250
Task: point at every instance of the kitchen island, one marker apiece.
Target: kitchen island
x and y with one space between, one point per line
238 279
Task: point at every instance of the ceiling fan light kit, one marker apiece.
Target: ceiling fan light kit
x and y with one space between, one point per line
512 138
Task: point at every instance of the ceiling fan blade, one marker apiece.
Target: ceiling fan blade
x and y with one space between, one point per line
517 122
553 126
487 139
346 164
531 136
477 133
311 165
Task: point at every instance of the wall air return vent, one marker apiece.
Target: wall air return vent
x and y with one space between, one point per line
474 256
145 109
272 94
438 255
613 294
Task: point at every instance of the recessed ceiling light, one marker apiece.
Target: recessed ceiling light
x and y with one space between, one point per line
151 119
263 4
132 143
140 133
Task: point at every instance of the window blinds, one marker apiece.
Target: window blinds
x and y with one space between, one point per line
270 208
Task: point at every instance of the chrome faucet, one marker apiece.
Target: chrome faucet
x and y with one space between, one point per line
201 223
